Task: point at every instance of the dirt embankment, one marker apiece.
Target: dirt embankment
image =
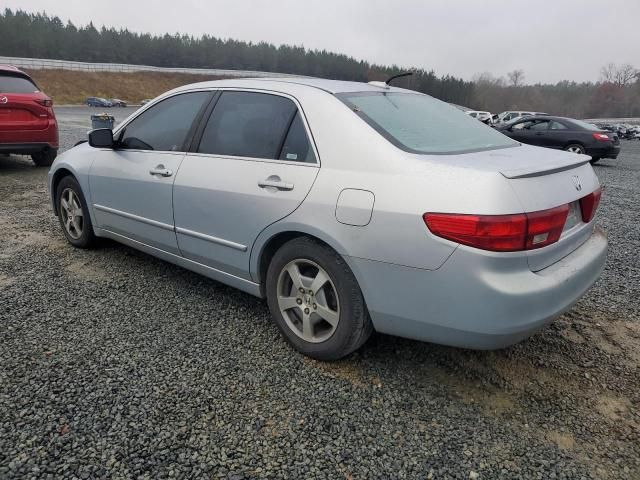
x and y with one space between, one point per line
71 87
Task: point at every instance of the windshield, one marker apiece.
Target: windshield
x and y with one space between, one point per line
421 124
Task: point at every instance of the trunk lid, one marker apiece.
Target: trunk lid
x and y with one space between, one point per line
21 111
541 179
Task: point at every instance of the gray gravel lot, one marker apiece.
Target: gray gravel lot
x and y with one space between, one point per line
115 364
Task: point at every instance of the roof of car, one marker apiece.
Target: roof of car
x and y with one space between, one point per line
331 86
12 69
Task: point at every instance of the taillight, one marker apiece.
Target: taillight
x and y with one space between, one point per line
589 205
545 227
500 233
601 137
45 102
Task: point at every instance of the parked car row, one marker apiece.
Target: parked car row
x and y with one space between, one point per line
623 131
105 103
501 118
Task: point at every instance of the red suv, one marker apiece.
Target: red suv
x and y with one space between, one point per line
28 125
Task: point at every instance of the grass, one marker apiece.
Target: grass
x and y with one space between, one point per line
71 87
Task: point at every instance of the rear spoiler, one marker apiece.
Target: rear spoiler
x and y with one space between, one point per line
547 169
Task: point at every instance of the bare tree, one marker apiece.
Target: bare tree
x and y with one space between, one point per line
620 75
487 78
516 78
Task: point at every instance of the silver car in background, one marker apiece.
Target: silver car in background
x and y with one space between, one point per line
350 207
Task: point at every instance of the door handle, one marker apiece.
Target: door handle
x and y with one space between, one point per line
279 184
161 171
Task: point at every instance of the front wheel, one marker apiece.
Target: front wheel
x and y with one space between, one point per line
575 148
315 300
74 214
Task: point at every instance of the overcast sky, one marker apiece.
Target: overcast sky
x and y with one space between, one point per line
550 40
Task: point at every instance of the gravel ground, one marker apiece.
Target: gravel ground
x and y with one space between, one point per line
115 364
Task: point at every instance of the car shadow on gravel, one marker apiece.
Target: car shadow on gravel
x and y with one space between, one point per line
10 164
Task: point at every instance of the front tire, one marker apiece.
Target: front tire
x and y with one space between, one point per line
45 158
74 214
315 300
575 148
595 160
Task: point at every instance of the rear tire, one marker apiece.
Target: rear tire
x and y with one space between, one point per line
326 319
45 158
575 148
74 214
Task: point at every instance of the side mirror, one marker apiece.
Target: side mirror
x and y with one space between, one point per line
101 138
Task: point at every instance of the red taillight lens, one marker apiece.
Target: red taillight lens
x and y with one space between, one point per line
45 102
589 205
601 137
545 227
500 233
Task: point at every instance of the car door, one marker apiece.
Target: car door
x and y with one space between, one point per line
557 134
538 133
517 131
131 185
253 163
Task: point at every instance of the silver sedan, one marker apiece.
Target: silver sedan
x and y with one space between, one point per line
351 207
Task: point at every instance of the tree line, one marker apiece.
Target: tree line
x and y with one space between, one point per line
39 35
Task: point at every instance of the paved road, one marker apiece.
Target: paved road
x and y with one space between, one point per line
114 364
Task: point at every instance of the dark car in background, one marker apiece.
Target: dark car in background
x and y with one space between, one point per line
28 124
564 134
98 102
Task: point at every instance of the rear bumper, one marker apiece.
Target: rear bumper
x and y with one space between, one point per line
12 140
25 148
604 152
476 301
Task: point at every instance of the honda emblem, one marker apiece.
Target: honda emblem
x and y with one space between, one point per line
576 182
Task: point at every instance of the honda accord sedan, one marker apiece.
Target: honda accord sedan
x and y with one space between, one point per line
564 134
350 207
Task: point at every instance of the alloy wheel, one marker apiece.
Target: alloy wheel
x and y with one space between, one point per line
71 211
308 300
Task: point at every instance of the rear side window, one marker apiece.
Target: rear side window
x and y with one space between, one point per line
14 84
164 127
421 124
296 147
557 126
255 125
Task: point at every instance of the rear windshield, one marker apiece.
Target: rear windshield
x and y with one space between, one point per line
587 126
421 124
13 84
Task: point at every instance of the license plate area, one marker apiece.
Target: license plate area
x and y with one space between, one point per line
574 217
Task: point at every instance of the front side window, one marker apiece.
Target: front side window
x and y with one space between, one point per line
421 124
164 126
16 84
256 125
540 126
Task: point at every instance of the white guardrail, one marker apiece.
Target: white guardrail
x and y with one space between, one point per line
50 64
